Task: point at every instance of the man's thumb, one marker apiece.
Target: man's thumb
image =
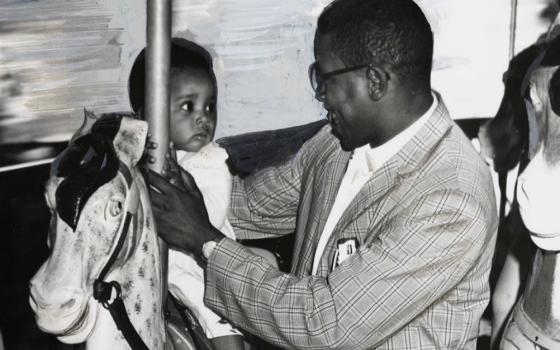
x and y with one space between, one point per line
188 181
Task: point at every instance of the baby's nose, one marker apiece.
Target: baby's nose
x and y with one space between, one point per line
201 118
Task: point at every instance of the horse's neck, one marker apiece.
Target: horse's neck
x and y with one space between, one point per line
542 295
140 280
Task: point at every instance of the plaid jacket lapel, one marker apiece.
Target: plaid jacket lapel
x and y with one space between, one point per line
411 157
336 173
305 245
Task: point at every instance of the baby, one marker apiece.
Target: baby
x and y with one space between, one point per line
193 95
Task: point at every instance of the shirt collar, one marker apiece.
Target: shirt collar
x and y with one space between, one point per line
375 157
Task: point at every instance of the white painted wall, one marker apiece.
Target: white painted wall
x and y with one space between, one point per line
262 49
58 56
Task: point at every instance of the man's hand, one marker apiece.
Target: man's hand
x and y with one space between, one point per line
175 174
181 217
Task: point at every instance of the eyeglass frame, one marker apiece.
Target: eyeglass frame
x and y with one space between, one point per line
314 71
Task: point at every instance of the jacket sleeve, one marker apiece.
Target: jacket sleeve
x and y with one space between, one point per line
423 253
265 204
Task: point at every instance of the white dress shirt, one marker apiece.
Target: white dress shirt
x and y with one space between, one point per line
365 160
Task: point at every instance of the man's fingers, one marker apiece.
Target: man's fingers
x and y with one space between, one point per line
172 151
171 160
171 169
176 181
188 179
168 185
172 175
157 198
158 182
151 145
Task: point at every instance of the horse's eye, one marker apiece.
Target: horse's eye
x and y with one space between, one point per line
114 208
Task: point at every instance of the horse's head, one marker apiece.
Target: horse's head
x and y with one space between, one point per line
538 188
504 137
93 186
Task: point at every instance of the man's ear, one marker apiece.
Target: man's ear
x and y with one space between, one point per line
378 80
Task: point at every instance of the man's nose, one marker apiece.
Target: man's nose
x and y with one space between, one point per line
326 105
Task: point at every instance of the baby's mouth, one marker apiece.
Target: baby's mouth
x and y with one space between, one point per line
201 136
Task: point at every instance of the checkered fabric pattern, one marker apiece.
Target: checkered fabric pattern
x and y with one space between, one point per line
426 223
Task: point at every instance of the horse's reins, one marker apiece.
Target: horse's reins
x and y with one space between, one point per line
533 128
102 291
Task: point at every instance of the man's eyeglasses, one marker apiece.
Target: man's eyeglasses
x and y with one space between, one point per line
318 79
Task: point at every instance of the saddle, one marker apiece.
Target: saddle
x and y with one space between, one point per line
182 328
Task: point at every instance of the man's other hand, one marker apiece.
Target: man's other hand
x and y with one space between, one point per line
181 217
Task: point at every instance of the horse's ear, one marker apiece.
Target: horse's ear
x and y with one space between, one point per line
554 30
130 140
89 119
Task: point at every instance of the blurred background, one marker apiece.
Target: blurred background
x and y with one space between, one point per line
58 57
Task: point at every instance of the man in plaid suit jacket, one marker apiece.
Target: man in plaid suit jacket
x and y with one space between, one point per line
422 226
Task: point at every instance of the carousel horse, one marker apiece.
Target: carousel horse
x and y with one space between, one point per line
503 141
101 283
531 137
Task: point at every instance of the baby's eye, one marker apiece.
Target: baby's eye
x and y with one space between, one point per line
210 108
187 106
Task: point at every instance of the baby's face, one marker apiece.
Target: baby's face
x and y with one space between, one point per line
192 109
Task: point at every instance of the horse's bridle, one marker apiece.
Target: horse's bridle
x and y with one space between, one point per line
102 291
533 128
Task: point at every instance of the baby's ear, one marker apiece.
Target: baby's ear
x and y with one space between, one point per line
130 140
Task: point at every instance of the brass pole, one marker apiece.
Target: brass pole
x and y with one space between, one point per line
157 94
512 28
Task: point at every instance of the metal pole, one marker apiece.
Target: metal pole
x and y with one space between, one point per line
512 28
157 93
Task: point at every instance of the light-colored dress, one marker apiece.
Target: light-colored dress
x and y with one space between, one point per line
186 277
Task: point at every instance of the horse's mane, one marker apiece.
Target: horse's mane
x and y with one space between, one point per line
88 162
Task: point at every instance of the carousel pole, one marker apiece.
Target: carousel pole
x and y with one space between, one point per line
512 28
157 94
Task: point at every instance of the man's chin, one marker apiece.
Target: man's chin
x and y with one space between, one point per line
343 143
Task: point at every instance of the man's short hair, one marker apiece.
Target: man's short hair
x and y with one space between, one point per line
393 32
185 54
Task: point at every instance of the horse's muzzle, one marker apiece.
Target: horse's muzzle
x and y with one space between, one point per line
59 311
